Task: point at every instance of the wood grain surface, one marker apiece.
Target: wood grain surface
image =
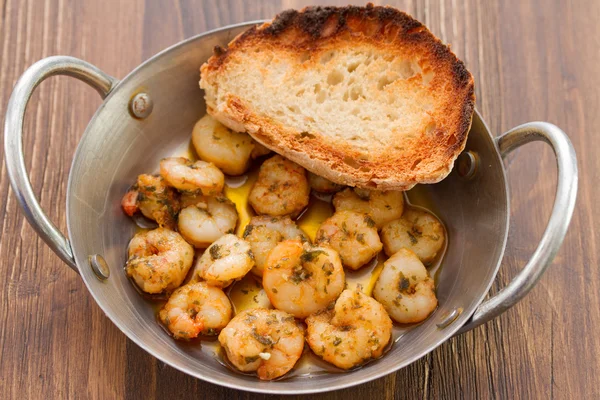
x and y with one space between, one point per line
532 60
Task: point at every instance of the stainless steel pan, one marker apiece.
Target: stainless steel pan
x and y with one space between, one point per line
149 113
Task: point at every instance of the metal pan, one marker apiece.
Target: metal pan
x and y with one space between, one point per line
151 112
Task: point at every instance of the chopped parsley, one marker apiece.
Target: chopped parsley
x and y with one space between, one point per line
369 221
308 256
215 251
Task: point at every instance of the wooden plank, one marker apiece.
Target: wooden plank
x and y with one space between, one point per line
532 60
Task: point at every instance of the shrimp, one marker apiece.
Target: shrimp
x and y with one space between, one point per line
228 150
159 260
266 341
157 201
205 219
259 150
264 233
416 230
281 188
353 235
382 206
355 331
195 309
227 259
188 176
405 288
302 279
322 185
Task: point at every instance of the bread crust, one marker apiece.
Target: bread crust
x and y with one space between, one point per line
430 156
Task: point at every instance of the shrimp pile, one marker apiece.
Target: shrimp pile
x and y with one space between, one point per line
193 259
383 207
264 233
154 199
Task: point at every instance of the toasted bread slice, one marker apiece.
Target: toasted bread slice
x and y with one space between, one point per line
363 96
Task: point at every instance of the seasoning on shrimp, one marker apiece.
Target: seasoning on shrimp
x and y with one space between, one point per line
154 199
159 260
189 176
302 279
194 309
228 150
353 235
264 233
383 207
266 341
355 331
416 230
281 188
229 258
204 219
405 289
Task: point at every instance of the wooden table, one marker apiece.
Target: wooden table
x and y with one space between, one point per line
532 60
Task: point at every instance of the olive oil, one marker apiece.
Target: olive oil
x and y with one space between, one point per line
248 293
365 278
238 190
318 210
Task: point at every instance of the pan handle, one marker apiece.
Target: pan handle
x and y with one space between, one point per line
564 203
13 140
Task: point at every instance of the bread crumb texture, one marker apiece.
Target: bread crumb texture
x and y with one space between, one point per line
363 96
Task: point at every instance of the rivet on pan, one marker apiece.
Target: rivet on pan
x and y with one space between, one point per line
468 161
141 105
450 318
99 266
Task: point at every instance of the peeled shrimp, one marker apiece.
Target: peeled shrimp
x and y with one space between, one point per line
353 235
259 150
405 288
266 341
154 199
302 279
355 331
322 185
416 230
281 188
382 206
228 150
159 260
189 176
264 233
195 309
227 259
206 218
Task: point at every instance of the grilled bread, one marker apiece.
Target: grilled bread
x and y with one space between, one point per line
363 96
